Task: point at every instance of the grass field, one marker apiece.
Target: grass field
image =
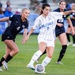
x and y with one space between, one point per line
17 66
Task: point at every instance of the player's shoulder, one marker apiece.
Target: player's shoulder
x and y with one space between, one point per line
15 16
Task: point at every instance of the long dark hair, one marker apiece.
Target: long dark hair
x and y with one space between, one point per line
43 7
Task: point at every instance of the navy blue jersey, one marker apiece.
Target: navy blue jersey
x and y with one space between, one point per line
16 26
64 17
59 30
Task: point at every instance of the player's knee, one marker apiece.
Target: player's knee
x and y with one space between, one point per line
50 56
16 51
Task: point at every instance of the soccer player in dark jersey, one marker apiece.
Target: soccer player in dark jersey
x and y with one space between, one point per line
69 28
60 30
18 22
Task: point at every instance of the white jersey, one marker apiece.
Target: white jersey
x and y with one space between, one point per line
47 25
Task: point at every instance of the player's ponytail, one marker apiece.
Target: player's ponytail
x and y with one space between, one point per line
43 7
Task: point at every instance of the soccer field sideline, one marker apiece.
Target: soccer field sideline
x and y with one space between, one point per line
17 66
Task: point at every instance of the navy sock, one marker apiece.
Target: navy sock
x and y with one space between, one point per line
8 58
2 59
62 52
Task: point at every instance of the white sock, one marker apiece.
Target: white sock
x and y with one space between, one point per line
35 57
46 61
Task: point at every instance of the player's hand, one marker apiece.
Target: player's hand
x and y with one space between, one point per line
25 39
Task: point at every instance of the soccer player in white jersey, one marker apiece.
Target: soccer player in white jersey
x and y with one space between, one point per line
46 22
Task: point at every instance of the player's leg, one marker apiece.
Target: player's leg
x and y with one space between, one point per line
68 33
13 51
42 47
5 56
47 59
40 56
63 39
73 38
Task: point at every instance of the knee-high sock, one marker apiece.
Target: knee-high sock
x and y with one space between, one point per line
35 57
2 59
8 58
46 61
68 37
73 39
62 52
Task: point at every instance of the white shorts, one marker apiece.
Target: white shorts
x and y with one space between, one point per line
48 42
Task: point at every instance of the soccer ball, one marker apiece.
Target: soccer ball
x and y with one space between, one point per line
39 68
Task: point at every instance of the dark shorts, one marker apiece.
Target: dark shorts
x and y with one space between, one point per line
74 25
59 30
7 37
73 22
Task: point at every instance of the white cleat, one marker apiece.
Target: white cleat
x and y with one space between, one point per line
69 43
60 63
31 66
5 65
1 69
73 45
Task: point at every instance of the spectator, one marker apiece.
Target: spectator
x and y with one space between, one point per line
8 12
2 24
33 4
18 11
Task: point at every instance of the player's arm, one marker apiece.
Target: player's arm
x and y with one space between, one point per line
68 12
31 31
4 19
35 26
70 23
24 36
73 17
72 10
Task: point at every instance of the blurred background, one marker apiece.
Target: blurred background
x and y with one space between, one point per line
10 7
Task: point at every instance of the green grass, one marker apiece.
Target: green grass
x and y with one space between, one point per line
17 66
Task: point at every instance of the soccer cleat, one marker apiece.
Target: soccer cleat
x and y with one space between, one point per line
69 43
5 65
59 62
73 45
31 66
1 69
